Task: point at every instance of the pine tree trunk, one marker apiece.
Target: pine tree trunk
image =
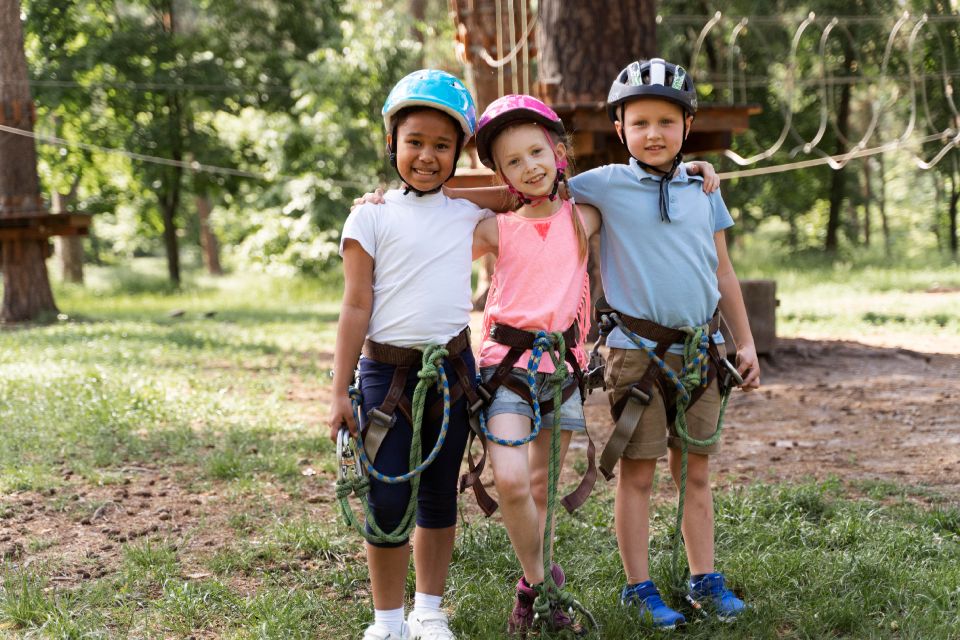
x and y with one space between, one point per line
26 285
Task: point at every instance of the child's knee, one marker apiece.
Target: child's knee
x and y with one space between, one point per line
636 475
513 485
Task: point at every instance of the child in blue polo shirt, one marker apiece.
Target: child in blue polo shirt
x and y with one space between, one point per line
664 264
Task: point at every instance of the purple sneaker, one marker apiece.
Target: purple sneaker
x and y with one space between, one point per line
522 619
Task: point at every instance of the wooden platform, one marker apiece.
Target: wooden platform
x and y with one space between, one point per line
41 226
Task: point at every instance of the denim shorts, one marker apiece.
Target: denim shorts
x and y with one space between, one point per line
506 401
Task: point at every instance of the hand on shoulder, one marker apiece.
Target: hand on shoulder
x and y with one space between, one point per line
375 197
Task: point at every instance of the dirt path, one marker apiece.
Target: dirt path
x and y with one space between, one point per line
844 409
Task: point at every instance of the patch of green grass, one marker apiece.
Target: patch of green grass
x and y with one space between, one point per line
126 383
850 298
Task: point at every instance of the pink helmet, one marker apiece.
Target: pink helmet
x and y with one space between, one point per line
508 110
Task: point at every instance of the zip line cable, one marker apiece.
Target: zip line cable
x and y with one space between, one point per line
192 165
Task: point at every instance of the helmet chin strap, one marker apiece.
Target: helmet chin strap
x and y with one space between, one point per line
407 187
665 176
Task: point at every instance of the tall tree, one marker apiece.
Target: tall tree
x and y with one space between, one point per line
26 286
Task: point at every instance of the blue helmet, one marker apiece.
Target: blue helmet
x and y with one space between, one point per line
434 89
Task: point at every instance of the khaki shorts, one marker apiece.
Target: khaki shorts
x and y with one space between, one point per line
624 368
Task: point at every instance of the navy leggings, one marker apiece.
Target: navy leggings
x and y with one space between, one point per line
437 498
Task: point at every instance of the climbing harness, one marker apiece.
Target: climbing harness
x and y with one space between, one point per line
679 390
356 457
519 341
549 594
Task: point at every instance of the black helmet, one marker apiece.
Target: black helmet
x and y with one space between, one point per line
655 78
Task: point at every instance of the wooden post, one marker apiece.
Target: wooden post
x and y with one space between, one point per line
760 299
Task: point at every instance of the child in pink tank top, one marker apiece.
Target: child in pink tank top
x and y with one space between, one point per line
539 284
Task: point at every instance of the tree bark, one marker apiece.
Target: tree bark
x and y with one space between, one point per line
619 31
838 178
952 213
208 239
169 195
867 197
884 223
26 285
69 248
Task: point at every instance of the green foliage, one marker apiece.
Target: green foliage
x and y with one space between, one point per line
883 201
287 90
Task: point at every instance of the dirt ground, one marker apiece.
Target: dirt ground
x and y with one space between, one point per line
826 408
845 409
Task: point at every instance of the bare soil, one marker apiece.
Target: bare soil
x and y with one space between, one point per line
826 408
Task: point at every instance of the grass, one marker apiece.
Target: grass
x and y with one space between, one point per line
231 405
870 298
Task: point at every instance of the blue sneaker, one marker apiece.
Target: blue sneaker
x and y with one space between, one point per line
710 591
651 607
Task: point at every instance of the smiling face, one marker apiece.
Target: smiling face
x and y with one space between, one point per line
426 148
524 156
654 130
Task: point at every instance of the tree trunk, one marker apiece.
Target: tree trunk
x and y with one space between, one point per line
26 285
619 31
952 213
169 203
69 248
867 197
169 195
208 239
884 223
838 179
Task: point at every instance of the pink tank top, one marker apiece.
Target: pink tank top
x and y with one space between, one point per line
539 282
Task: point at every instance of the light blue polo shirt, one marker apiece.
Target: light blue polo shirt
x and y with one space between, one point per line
662 271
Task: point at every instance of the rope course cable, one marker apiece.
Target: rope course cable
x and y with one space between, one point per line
192 165
898 79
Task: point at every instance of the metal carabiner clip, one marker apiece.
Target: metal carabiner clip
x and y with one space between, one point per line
732 371
347 458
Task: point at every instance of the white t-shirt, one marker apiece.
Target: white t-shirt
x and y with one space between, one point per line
422 254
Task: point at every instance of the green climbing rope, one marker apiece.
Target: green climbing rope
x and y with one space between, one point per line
693 374
431 373
549 594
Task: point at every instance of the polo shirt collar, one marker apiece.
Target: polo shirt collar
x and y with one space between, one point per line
681 174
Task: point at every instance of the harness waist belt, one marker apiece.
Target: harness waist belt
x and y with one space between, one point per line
659 333
408 356
521 339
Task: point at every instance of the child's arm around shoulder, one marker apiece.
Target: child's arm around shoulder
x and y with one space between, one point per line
591 218
486 237
497 199
351 331
735 315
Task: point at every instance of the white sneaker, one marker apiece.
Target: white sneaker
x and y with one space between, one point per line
429 625
377 632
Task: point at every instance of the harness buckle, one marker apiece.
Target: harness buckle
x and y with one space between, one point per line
346 456
380 419
482 401
638 394
594 374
